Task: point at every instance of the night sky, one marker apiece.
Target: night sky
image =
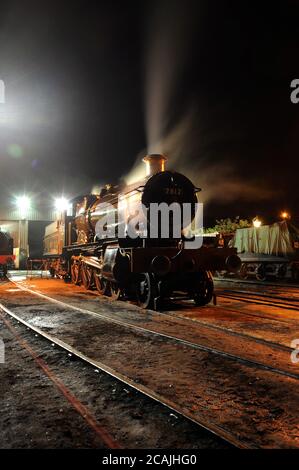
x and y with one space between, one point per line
92 86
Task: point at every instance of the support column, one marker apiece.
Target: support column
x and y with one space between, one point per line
23 243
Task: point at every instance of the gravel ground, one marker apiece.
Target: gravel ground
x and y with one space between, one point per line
256 405
259 339
36 415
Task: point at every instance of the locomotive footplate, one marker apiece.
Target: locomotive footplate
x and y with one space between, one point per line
162 261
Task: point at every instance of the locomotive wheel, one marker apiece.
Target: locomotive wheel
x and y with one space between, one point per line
100 283
282 271
243 273
75 273
87 276
146 291
295 272
261 273
204 293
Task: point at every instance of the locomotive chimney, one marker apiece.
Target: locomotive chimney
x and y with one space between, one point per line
154 163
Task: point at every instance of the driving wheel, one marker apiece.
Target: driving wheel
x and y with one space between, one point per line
100 283
146 290
204 293
87 277
75 270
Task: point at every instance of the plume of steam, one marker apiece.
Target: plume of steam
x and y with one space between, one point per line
137 172
169 34
200 141
221 184
220 181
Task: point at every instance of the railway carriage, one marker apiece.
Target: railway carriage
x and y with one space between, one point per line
268 252
6 253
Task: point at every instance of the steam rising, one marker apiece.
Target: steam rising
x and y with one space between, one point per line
198 139
168 40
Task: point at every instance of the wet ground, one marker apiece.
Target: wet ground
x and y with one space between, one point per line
36 414
253 394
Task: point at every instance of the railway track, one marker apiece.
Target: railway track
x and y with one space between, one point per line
228 331
256 283
263 295
82 406
208 424
176 338
98 429
250 298
260 315
239 334
223 434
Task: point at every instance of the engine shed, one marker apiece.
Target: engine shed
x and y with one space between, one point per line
26 227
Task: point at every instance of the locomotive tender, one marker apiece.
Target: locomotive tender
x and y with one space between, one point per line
141 266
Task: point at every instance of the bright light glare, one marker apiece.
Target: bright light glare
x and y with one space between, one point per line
257 222
23 203
285 215
61 204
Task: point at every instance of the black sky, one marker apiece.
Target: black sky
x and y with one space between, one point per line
81 78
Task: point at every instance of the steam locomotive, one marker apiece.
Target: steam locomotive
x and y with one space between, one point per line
142 266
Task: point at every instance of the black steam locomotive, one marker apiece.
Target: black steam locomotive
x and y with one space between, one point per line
123 259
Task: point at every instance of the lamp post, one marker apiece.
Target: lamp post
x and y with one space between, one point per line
257 223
